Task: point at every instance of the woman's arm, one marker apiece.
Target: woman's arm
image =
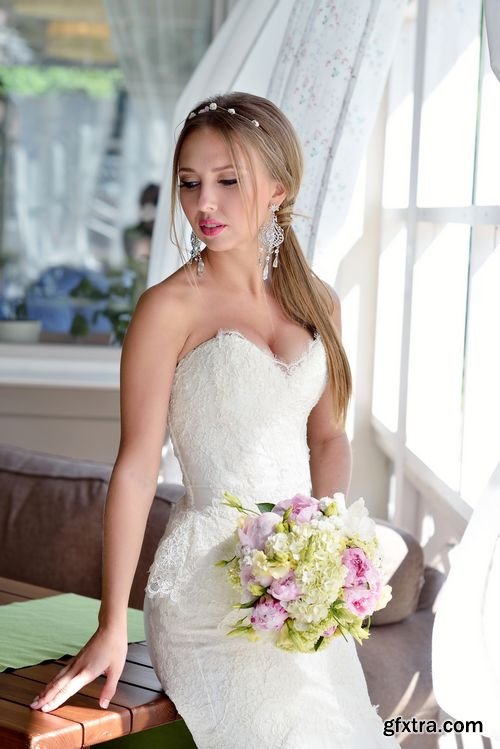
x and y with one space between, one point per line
154 338
331 466
330 450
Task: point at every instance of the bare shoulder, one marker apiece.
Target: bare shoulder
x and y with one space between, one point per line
155 335
161 317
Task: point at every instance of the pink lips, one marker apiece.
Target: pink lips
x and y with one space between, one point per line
211 230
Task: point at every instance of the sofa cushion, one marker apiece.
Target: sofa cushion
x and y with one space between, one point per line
403 570
51 522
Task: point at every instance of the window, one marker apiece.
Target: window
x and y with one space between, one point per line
86 92
437 362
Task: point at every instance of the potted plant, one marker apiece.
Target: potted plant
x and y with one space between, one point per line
116 306
20 328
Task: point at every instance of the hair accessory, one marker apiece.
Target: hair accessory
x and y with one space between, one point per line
213 106
271 235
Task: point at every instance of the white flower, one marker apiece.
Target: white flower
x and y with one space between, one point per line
357 522
339 498
212 105
325 502
384 598
255 123
231 111
277 543
193 114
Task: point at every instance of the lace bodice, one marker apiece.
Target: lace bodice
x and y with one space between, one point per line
238 418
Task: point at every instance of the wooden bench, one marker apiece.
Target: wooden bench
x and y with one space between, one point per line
140 715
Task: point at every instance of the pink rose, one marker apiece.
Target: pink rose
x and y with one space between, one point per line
303 508
285 589
361 600
268 614
328 632
360 570
256 529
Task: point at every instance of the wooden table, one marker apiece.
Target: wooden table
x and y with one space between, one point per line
140 715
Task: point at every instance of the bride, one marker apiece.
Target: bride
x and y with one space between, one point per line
240 349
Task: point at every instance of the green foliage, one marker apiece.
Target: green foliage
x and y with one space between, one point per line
33 80
21 311
79 326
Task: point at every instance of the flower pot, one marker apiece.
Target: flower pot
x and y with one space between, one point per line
20 331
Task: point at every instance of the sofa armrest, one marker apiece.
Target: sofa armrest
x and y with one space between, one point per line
433 581
403 569
51 522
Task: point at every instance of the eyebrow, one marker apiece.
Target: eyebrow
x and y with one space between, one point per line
217 168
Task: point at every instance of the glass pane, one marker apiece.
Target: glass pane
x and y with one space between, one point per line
390 300
399 120
482 374
448 124
434 416
86 92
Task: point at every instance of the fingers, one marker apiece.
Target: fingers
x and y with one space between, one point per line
60 689
53 685
109 690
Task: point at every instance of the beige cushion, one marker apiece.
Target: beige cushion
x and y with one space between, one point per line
403 570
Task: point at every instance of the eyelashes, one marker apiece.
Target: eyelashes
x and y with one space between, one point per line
189 185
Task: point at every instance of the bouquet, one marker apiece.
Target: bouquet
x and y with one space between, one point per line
307 570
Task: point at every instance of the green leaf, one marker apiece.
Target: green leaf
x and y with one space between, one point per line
79 326
265 506
246 605
318 642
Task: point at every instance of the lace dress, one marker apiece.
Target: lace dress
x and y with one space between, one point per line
238 418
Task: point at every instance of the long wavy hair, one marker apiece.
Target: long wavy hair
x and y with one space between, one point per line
301 294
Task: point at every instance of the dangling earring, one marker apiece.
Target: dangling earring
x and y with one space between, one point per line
271 235
195 253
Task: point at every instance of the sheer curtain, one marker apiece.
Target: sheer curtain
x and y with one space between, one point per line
492 16
466 672
55 161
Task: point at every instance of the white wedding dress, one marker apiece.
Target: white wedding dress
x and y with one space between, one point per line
237 418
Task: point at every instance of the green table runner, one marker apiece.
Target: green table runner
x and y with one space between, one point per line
47 628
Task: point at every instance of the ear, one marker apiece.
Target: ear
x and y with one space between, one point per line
279 193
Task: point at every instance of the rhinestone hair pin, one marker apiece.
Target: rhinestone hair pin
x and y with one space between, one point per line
213 105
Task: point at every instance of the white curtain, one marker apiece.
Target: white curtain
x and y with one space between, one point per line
492 17
55 163
325 65
465 644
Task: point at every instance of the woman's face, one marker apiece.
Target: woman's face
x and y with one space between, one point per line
210 197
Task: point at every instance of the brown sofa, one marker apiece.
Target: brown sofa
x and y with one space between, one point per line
51 511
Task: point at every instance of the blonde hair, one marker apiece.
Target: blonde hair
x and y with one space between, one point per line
301 294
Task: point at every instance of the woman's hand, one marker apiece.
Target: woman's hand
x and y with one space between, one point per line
104 654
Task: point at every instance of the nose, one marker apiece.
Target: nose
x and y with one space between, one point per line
206 199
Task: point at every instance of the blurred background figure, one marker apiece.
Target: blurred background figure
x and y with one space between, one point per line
137 239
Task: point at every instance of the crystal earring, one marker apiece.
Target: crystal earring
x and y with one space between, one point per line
271 236
195 254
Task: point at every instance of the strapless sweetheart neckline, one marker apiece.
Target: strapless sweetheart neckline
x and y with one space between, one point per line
288 366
